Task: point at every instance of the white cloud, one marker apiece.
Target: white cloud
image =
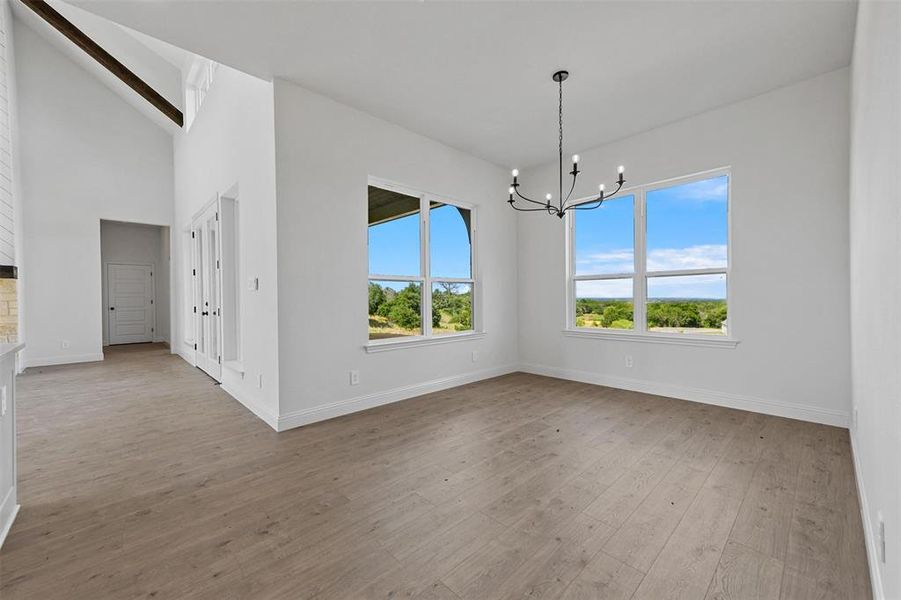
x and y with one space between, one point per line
659 259
708 190
612 261
607 288
691 286
693 257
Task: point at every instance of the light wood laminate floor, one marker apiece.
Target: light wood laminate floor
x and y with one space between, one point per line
139 478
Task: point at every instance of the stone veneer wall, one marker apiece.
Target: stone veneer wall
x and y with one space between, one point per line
9 311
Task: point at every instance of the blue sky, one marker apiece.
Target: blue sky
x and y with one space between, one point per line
686 229
394 245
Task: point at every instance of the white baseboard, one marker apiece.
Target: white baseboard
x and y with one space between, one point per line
8 511
253 406
46 361
306 416
826 416
869 533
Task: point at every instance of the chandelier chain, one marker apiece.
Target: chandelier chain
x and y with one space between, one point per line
560 140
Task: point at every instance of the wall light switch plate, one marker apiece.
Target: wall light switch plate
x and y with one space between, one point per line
354 378
253 284
475 356
64 344
628 360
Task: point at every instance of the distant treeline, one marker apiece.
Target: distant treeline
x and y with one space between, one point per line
670 312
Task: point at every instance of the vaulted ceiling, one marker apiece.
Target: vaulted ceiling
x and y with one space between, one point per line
477 75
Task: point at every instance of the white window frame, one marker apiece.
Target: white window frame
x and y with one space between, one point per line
640 274
424 278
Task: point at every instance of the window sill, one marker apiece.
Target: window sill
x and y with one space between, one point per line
415 342
655 338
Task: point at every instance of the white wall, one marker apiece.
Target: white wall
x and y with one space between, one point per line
8 239
10 196
138 244
11 192
86 155
325 153
876 280
788 150
231 143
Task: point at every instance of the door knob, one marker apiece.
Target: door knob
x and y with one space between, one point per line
112 308
204 313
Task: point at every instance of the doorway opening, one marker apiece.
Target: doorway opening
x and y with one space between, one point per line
135 282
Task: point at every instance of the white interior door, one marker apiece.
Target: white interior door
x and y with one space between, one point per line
207 293
131 309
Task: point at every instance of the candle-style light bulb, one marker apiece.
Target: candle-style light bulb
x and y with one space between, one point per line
601 188
621 169
516 172
575 159
547 197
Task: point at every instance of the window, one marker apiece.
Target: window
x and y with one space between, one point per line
421 281
197 84
654 261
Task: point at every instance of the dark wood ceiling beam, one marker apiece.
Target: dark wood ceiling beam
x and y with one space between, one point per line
95 51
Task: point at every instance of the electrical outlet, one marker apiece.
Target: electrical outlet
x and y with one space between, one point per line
628 361
253 284
64 344
880 536
475 356
354 378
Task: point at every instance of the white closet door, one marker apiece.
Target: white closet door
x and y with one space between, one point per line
207 293
131 310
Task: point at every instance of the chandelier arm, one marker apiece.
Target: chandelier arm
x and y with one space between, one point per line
571 188
542 204
599 201
543 208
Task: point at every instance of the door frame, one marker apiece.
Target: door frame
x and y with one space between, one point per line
106 300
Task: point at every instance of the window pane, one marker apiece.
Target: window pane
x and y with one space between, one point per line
605 238
687 225
393 233
449 238
394 309
451 307
605 304
687 304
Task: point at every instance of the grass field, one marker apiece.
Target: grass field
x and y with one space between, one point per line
380 328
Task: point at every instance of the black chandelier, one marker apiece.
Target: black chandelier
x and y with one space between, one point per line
562 205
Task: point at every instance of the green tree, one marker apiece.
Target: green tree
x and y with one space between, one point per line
402 315
619 311
376 297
